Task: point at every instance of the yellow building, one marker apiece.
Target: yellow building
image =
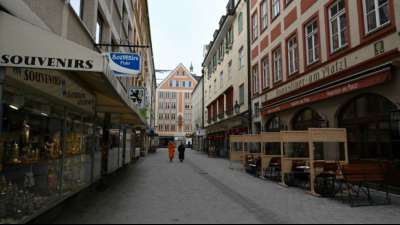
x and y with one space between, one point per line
174 106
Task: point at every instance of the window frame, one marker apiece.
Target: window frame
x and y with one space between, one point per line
242 97
266 77
264 15
240 23
254 26
274 68
317 52
377 16
255 80
293 55
241 58
81 8
337 17
275 3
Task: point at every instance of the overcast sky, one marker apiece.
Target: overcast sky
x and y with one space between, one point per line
181 28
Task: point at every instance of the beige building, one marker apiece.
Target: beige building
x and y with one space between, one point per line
226 79
174 106
329 63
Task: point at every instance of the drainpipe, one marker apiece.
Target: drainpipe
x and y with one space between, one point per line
249 66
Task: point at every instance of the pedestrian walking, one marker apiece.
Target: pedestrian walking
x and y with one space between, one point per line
182 150
171 150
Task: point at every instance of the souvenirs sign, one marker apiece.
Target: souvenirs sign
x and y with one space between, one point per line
54 84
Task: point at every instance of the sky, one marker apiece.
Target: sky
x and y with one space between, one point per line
180 29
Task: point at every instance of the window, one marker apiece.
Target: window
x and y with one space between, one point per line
264 15
241 94
254 22
276 8
287 2
255 79
230 70
77 6
221 80
376 14
277 56
99 29
293 56
337 25
265 72
209 70
241 58
215 86
312 42
215 63
171 83
240 23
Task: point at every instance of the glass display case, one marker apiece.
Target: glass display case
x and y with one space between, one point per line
30 149
46 153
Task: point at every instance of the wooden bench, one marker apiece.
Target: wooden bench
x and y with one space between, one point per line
358 177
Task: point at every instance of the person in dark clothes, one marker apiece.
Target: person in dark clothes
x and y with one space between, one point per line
182 150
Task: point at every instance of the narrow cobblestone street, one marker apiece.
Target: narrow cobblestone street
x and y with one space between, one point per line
203 190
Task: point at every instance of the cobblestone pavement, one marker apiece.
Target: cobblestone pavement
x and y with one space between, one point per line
203 190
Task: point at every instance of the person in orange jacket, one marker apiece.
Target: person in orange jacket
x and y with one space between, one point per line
171 150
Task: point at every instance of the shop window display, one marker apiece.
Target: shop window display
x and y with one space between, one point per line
30 150
44 151
77 158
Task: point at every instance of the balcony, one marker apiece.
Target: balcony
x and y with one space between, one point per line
215 119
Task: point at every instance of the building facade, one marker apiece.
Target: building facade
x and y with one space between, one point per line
225 66
65 119
329 63
198 116
174 106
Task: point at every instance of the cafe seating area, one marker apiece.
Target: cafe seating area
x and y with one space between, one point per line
315 160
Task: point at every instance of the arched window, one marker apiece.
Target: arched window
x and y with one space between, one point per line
371 134
308 118
273 125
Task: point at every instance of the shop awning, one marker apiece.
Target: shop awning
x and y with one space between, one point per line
25 45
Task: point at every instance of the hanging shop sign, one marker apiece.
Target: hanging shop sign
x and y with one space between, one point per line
124 64
137 95
370 81
54 84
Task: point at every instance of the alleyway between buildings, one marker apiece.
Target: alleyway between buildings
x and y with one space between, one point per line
203 190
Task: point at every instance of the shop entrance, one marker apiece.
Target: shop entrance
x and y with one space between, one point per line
372 136
308 118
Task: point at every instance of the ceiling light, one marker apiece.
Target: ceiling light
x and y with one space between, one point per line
14 107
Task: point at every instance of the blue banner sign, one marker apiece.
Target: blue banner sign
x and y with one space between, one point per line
125 64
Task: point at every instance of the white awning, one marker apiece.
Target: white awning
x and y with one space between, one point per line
28 46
